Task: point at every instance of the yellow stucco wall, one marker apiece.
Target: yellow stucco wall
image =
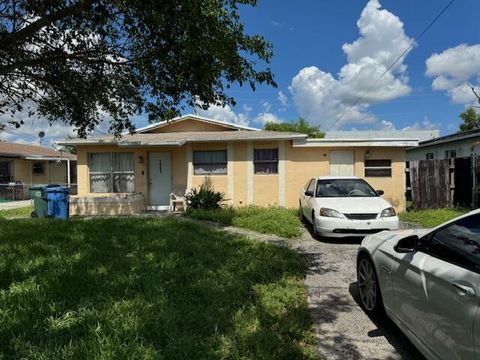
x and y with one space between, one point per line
189 125
54 172
300 165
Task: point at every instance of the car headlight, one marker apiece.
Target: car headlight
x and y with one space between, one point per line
330 213
389 212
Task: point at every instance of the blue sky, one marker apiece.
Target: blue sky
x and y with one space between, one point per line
328 52
308 34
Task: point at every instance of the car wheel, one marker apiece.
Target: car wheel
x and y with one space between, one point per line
314 227
368 287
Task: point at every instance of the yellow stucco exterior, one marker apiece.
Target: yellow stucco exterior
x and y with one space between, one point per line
53 172
241 186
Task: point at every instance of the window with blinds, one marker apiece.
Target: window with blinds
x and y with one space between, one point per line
378 168
210 162
112 172
265 161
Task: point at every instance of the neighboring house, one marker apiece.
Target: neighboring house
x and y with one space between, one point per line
24 165
251 166
457 145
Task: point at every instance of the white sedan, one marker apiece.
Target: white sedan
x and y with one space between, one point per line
428 283
345 206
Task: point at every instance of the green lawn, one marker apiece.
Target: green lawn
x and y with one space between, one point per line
148 288
431 217
23 212
267 220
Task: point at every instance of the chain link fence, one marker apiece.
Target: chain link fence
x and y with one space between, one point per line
20 191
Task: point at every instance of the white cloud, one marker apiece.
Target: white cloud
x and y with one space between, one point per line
225 113
321 97
265 117
266 105
426 124
453 68
247 108
282 98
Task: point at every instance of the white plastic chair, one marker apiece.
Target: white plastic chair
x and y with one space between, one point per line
176 200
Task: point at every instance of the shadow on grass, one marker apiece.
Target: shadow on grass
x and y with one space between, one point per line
147 288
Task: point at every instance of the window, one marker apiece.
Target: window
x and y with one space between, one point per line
458 243
450 154
38 167
210 162
429 156
265 161
378 168
112 172
344 188
5 172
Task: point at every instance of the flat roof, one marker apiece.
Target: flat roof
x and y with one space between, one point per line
458 136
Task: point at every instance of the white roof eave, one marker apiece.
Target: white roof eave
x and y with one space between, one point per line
355 143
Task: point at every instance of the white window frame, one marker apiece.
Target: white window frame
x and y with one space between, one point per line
111 172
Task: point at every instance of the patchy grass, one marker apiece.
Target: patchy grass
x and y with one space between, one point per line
267 220
431 217
148 288
23 212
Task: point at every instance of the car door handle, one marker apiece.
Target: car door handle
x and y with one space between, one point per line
467 290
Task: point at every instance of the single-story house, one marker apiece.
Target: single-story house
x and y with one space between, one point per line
458 145
252 167
22 165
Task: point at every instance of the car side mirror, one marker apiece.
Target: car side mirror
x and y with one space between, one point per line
309 193
407 244
380 192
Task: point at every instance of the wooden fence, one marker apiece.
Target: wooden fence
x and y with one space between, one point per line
432 183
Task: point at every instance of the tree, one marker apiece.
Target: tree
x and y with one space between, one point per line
78 61
299 126
471 119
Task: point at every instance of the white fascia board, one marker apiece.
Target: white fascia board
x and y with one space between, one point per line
355 143
192 116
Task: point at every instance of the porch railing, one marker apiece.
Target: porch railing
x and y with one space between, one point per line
20 191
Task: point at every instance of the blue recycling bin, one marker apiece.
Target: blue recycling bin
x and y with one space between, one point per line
57 198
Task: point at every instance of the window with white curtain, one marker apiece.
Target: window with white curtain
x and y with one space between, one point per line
210 162
112 172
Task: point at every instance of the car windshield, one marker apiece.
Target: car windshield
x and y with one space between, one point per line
344 188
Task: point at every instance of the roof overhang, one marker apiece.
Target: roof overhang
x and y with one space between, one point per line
307 143
197 118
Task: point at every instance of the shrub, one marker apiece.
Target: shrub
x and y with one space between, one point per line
204 198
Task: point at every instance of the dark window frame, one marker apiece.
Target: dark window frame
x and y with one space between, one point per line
7 176
271 163
430 156
38 167
220 164
378 168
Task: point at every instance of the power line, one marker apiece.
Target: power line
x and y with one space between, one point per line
412 44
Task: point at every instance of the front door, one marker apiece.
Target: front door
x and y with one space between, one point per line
160 178
342 163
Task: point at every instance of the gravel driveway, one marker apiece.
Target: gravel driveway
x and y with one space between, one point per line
343 330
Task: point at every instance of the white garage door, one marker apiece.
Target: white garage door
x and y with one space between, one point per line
342 163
